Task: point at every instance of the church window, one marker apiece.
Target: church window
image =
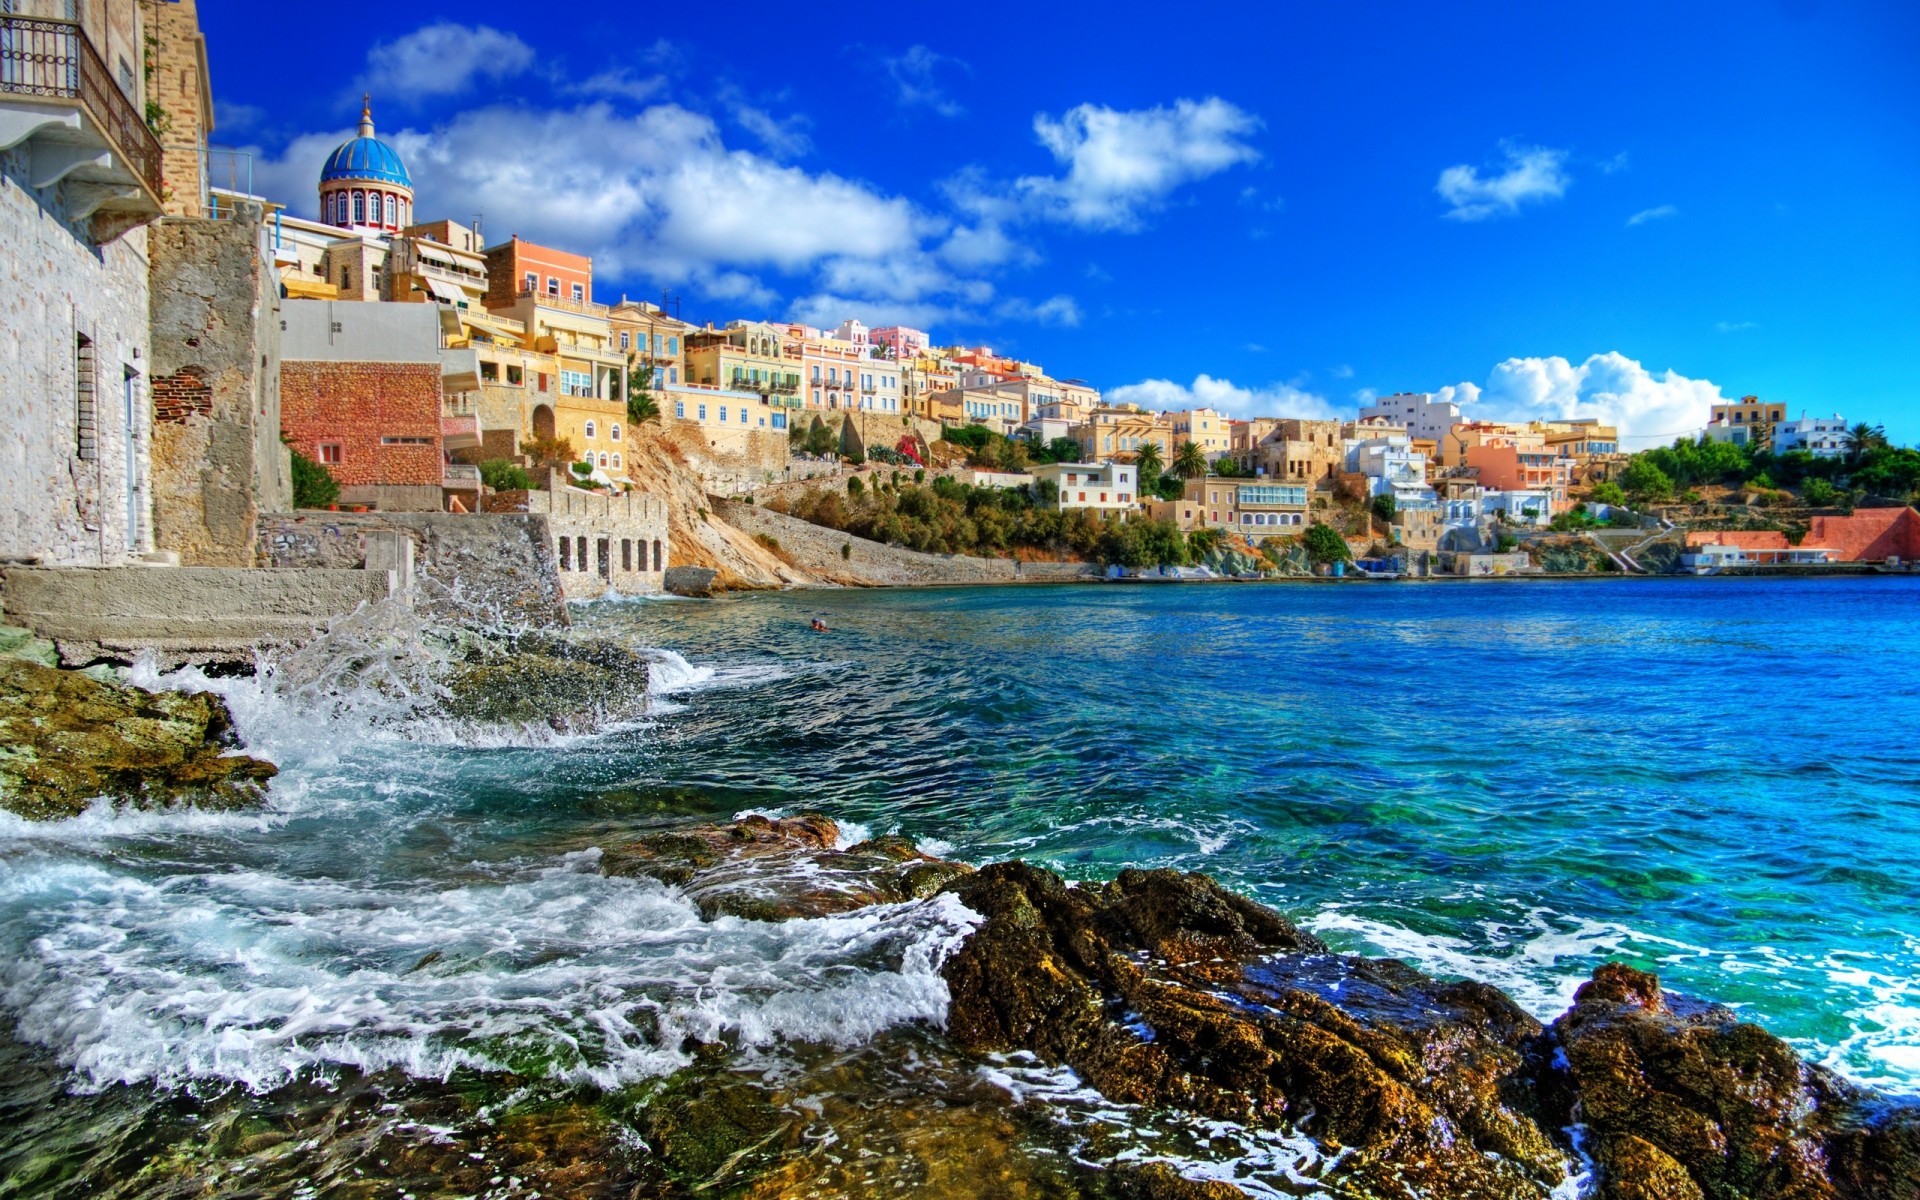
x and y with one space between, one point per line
359 208
393 210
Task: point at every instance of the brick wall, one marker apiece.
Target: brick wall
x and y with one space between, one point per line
357 405
1867 534
179 396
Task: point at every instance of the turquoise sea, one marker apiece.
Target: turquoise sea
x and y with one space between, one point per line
1713 779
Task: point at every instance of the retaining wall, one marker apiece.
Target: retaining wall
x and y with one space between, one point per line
476 566
817 549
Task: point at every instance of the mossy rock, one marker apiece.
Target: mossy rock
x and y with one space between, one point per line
68 739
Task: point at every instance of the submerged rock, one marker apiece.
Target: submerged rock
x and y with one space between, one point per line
536 680
775 869
67 739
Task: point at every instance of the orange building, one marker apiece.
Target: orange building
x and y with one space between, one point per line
1516 468
516 268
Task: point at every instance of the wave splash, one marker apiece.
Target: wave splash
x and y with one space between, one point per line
259 979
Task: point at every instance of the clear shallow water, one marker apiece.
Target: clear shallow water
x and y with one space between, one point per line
1712 779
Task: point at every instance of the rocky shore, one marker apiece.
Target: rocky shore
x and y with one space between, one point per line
1161 996
1164 991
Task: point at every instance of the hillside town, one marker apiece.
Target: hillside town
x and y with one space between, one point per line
196 370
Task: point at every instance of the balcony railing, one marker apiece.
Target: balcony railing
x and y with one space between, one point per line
548 300
53 60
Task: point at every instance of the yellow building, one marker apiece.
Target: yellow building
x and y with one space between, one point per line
1749 422
1203 427
653 338
1109 433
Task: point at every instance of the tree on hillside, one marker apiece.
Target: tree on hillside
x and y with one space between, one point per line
547 452
818 442
1325 545
1608 492
1190 461
1063 449
1384 507
1645 481
1861 441
1149 461
641 406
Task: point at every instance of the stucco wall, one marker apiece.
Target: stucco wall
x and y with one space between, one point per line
483 567
217 458
57 506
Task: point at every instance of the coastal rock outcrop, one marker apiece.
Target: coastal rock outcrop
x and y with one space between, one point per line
68 739
1162 989
774 869
1683 1101
1165 990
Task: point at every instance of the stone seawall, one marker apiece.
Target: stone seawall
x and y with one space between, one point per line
181 614
844 558
486 566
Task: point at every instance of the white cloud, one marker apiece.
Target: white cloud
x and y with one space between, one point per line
443 59
1648 407
784 137
915 84
1735 326
1121 165
1533 174
1657 213
622 84
1614 165
1223 395
1343 371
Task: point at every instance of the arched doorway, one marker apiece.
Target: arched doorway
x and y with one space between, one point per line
543 421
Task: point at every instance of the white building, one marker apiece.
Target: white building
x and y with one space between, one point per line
1419 414
1823 437
1394 468
1103 487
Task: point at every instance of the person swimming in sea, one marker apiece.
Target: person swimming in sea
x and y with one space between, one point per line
820 626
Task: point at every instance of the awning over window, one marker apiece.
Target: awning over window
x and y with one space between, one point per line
308 289
444 291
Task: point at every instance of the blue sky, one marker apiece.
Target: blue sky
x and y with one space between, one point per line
1619 210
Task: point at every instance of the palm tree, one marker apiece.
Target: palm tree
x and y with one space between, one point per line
1147 458
1862 440
641 406
1190 461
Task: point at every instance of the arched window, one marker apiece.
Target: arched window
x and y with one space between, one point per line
589 429
657 562
359 208
616 461
603 458
614 433
393 210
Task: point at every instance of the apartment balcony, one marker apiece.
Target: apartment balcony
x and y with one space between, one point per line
460 477
59 103
546 300
869 389
460 432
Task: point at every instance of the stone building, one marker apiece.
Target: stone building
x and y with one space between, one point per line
1298 451
80 178
360 393
605 545
218 461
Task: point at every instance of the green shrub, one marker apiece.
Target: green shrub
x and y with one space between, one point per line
503 475
1325 545
313 485
854 486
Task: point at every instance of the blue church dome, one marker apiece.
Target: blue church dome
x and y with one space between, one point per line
366 157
